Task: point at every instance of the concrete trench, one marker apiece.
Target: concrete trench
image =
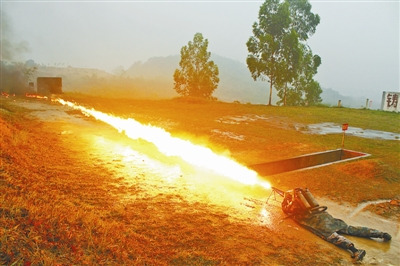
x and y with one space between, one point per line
307 161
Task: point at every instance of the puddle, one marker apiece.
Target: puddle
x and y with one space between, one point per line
320 129
240 119
332 128
229 135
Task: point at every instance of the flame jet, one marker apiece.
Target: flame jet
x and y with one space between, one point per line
172 146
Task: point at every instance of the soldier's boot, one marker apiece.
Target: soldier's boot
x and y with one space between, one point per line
341 241
358 254
386 237
379 234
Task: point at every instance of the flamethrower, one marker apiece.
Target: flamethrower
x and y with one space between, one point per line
297 201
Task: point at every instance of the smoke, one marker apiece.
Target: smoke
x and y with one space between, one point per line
10 50
14 75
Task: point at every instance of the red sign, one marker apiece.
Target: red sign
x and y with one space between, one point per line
345 127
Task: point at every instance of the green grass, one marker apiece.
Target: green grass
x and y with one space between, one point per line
277 138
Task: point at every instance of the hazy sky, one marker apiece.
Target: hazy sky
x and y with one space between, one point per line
358 41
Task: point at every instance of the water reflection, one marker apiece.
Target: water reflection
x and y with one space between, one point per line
137 162
332 128
265 217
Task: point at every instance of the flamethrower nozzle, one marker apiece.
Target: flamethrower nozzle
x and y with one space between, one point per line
265 185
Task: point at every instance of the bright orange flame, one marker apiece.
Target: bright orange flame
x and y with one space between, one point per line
37 96
171 146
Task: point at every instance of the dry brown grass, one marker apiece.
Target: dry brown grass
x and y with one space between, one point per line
58 209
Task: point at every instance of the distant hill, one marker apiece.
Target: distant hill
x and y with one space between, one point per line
101 83
235 83
154 79
331 97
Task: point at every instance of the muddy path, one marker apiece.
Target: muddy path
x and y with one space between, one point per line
139 163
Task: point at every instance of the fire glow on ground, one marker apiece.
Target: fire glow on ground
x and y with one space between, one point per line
171 146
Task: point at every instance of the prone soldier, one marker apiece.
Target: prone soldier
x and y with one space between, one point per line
300 205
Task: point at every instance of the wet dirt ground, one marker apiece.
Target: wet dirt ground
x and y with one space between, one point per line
140 163
320 129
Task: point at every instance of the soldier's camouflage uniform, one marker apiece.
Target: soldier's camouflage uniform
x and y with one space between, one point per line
330 228
327 227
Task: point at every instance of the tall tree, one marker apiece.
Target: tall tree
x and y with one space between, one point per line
303 89
303 21
275 49
265 60
198 76
292 56
307 84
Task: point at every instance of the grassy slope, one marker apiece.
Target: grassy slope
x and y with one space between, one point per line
376 177
68 212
